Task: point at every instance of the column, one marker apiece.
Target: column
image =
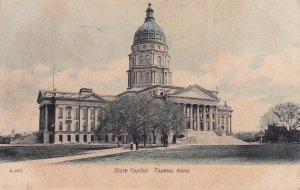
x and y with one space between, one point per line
210 118
184 110
230 131
204 118
56 118
216 119
46 118
198 118
191 116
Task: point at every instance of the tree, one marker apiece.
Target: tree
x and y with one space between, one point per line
129 113
114 120
171 120
284 114
139 115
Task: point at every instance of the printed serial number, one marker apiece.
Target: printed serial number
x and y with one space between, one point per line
18 170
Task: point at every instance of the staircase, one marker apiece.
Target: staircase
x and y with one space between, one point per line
210 138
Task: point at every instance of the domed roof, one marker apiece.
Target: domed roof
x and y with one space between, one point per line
150 30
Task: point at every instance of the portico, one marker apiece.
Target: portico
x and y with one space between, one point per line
200 117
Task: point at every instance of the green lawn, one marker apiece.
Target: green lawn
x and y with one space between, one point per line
20 153
233 154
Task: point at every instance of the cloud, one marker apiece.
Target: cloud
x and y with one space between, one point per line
20 89
250 84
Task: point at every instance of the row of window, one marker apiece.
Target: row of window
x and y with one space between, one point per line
76 113
151 46
221 120
60 138
77 127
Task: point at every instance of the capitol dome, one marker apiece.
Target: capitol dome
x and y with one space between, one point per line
150 30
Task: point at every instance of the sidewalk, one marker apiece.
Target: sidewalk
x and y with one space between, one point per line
88 154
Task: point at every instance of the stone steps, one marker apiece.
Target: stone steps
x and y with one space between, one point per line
211 138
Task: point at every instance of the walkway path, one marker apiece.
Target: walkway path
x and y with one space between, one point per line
88 154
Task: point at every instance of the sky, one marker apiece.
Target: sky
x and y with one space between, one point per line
249 50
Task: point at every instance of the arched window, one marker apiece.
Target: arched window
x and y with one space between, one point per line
159 78
60 113
69 113
60 126
159 60
141 60
147 59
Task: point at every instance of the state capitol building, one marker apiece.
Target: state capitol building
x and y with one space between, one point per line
73 117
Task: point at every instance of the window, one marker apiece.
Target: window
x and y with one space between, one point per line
69 113
69 138
60 126
60 113
159 79
222 120
60 138
147 59
141 78
77 138
92 138
141 60
213 116
84 113
92 113
68 126
85 138
77 126
99 114
92 125
219 120
147 77
226 120
137 47
159 60
77 114
84 126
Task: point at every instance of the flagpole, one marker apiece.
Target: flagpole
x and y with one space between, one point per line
53 76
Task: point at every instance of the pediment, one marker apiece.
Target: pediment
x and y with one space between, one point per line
195 91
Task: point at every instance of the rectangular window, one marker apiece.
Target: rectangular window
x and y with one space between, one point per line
84 113
85 138
226 120
92 138
222 121
60 138
77 138
69 138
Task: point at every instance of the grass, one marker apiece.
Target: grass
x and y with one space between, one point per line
21 153
232 154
